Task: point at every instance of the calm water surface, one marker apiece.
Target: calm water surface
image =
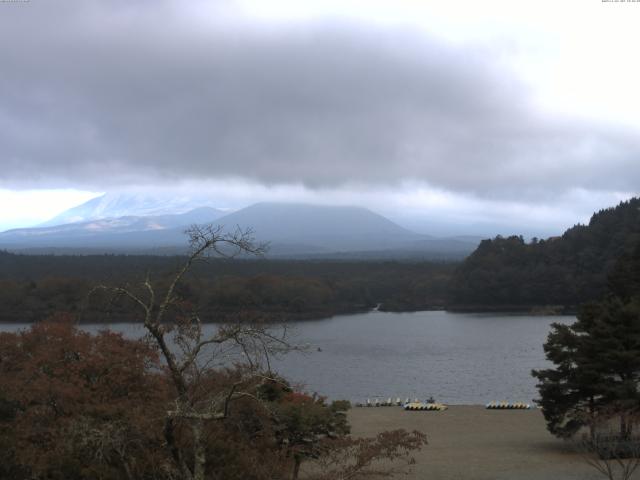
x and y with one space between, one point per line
457 358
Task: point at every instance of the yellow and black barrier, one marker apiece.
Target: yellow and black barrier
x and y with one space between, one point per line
439 407
508 406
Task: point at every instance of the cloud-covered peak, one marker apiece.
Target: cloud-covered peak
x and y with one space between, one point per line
400 108
121 204
137 93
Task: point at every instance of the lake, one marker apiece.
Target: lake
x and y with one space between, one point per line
456 358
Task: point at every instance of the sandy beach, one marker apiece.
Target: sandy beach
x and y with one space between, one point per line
472 443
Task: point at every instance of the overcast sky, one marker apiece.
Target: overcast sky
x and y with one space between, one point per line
495 113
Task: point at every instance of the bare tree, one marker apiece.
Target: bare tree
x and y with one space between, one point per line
197 361
610 447
188 352
383 456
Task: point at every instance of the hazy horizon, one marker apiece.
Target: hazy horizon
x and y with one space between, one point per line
168 204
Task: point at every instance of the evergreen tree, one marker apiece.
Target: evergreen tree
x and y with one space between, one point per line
624 280
597 359
564 271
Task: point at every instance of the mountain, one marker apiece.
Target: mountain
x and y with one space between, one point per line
122 232
506 273
293 230
320 228
117 205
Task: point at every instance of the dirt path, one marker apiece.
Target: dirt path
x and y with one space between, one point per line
472 443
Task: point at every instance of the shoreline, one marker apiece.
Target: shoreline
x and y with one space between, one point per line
287 317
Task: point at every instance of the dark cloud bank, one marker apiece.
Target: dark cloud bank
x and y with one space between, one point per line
98 95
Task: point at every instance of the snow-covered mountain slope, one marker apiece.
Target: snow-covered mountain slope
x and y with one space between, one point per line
116 205
72 233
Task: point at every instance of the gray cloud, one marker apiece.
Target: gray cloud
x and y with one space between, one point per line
102 94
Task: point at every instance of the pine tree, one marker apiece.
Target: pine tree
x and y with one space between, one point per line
597 359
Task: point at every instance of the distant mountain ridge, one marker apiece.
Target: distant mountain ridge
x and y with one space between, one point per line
119 225
293 230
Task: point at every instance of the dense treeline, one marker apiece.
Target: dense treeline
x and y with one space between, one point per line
561 271
31 287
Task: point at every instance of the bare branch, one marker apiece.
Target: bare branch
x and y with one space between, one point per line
194 403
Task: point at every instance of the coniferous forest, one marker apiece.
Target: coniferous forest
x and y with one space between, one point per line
31 287
565 271
506 273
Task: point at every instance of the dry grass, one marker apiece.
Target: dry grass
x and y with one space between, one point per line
472 443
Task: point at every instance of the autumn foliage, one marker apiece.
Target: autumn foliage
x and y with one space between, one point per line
76 405
79 406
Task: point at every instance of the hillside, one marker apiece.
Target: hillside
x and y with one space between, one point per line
507 273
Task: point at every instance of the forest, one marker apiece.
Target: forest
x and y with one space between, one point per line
31 287
559 272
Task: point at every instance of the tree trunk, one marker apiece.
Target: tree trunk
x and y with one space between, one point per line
624 430
169 430
199 451
592 419
127 470
296 467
